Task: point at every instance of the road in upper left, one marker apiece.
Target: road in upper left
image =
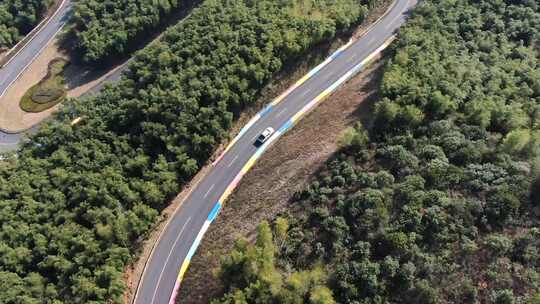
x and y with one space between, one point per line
30 50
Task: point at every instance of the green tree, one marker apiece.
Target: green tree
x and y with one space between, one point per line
250 275
356 137
516 141
17 18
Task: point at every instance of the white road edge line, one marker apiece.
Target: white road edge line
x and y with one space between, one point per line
370 28
32 61
391 23
48 20
168 257
348 75
281 112
209 189
232 161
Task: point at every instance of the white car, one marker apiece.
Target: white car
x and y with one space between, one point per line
265 135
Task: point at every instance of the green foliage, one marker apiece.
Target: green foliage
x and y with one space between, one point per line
498 244
78 198
49 91
534 299
517 140
249 264
439 204
250 275
503 297
107 29
17 18
356 137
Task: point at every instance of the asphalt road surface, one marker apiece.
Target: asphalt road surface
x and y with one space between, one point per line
11 71
172 248
18 63
8 141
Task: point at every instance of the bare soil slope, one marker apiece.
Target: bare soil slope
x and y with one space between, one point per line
285 168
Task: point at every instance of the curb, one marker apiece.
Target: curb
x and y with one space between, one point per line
251 162
369 28
42 48
310 74
168 221
280 98
33 33
217 207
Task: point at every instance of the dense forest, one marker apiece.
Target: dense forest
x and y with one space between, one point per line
77 198
437 200
18 17
106 29
253 267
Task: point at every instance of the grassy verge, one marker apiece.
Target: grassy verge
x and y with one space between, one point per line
49 91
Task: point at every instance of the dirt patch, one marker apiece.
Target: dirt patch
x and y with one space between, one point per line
133 272
283 170
378 11
295 70
83 79
80 79
12 118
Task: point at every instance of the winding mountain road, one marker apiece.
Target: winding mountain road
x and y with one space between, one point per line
185 229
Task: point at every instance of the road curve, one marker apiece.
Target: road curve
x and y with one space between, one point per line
18 63
10 141
28 53
185 228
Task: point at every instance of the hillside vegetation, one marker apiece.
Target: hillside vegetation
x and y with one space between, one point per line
76 200
18 17
106 29
438 202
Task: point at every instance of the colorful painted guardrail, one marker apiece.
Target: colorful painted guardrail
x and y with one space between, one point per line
281 97
288 125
